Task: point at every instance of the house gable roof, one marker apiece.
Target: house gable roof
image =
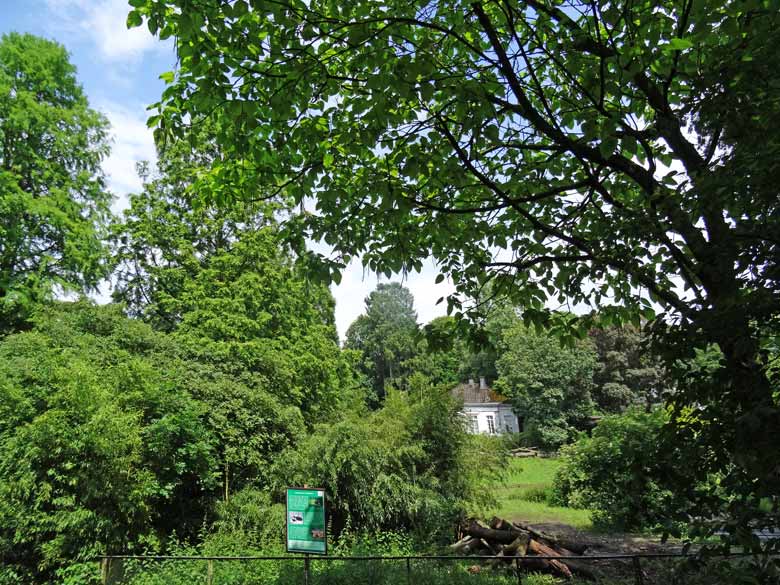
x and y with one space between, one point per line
471 393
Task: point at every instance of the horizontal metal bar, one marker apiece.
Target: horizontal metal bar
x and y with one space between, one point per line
421 558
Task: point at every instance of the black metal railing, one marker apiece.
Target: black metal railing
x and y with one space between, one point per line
112 566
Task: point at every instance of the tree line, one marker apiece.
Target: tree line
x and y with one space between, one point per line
177 414
556 390
618 156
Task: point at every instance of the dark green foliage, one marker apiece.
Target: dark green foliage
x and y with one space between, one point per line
702 432
548 385
625 474
113 438
628 373
407 466
53 203
386 335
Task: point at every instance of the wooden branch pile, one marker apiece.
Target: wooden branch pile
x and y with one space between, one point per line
506 540
524 452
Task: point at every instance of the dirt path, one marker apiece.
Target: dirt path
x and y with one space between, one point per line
610 543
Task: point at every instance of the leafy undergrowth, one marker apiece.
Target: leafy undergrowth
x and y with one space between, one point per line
526 493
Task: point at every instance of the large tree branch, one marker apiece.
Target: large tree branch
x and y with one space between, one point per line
525 108
525 264
668 126
647 280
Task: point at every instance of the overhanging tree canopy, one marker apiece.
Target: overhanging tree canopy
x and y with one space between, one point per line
603 152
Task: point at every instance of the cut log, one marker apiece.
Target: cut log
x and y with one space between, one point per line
518 547
533 564
492 549
577 548
462 544
500 524
499 536
506 541
581 568
545 551
524 453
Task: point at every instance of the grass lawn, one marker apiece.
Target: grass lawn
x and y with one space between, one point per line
522 496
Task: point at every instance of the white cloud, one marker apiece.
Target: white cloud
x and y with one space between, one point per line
132 142
105 23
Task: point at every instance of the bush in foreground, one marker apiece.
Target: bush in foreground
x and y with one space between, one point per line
623 472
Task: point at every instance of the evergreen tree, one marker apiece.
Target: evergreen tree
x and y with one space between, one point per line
386 335
53 202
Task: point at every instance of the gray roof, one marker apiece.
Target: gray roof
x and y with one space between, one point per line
473 394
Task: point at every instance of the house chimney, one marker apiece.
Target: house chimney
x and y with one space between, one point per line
482 383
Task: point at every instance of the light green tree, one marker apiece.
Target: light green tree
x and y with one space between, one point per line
117 437
53 202
549 386
225 283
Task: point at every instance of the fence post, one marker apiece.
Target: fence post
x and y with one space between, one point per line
210 573
104 570
306 570
408 571
638 571
517 570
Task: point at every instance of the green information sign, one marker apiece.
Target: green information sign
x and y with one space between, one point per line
306 521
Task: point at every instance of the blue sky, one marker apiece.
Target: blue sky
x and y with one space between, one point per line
120 71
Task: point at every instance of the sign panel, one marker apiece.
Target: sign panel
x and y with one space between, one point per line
306 521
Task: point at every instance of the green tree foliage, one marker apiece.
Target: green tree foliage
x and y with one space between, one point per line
625 474
223 281
449 353
113 438
53 202
386 335
440 353
600 152
628 372
408 465
549 385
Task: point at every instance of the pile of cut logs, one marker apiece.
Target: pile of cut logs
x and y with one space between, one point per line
507 540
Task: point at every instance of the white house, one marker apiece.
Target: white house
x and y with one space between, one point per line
486 411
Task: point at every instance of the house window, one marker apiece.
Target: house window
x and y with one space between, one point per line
508 423
491 424
473 424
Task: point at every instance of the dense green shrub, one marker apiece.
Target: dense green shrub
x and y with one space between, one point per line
623 472
408 466
112 438
548 385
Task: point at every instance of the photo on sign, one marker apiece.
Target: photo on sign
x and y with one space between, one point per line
317 533
296 517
